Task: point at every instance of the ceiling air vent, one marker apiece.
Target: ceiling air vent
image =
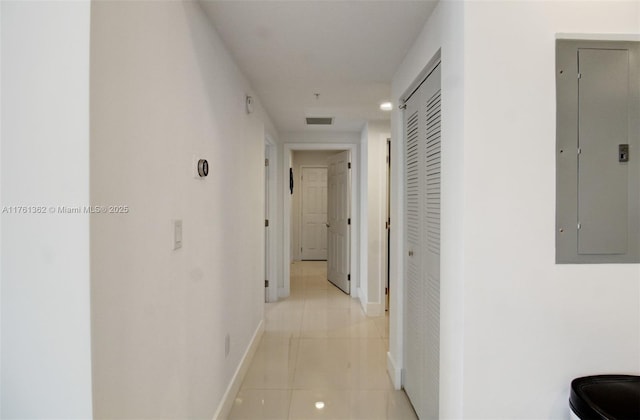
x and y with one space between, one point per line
319 120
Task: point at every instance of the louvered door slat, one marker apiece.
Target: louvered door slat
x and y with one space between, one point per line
433 166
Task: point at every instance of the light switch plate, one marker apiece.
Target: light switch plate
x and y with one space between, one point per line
177 234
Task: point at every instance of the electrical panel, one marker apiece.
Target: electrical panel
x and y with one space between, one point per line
597 156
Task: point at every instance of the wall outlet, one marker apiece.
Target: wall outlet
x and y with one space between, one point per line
227 345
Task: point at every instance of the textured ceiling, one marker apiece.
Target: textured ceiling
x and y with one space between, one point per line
347 51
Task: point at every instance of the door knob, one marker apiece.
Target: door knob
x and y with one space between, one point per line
327 225
411 253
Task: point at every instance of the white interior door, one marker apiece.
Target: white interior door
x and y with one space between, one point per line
313 241
421 376
339 209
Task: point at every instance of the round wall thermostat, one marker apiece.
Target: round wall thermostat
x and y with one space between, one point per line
203 168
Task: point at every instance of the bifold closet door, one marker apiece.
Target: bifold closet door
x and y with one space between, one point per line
422 245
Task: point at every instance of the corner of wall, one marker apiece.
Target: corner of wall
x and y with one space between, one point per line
394 371
45 270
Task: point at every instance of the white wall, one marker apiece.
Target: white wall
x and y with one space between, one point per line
373 213
531 325
320 137
443 31
302 158
46 355
164 89
515 327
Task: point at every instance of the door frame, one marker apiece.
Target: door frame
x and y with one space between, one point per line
300 224
271 153
355 259
386 292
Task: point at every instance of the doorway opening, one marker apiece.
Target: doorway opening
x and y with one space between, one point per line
312 230
321 222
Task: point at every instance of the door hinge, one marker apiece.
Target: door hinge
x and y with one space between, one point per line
349 221
266 222
579 151
349 165
266 283
386 290
579 75
348 277
266 162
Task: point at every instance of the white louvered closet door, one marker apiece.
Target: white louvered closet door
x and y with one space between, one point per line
421 376
414 334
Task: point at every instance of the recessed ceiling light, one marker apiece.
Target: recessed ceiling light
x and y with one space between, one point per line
319 405
386 106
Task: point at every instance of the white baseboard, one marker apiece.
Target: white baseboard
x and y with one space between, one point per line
374 309
234 386
394 372
369 308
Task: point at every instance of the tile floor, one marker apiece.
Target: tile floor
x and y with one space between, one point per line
320 358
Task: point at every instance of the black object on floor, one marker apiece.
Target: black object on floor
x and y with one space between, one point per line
608 397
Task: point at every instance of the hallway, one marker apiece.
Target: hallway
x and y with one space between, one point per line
320 357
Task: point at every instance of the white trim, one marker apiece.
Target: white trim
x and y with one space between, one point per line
394 372
234 385
355 208
422 76
599 37
369 308
374 308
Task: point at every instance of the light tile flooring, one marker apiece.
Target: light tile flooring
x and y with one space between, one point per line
320 358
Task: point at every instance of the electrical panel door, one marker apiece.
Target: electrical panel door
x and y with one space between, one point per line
598 130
